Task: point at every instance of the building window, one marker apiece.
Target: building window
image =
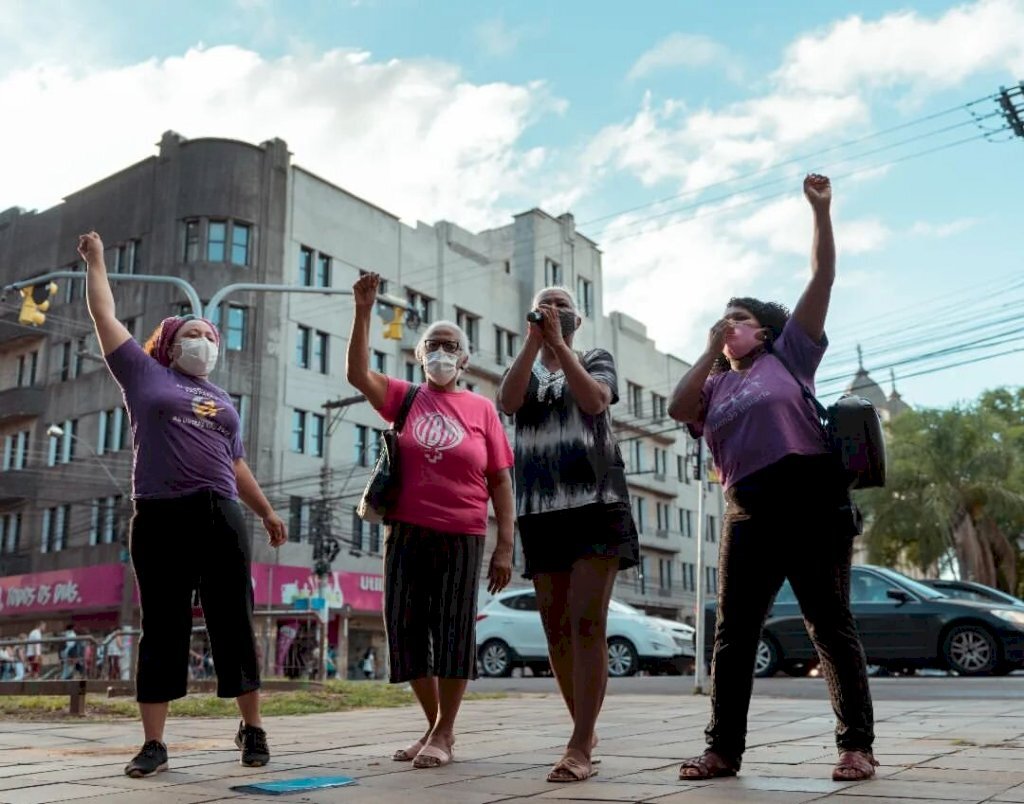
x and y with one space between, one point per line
681 468
240 236
127 257
585 296
190 252
241 404
660 462
665 574
323 271
410 371
382 288
662 515
16 451
635 399
132 325
361 445
105 520
421 304
374 446
305 267
375 539
28 364
637 456
552 272
712 530
303 347
641 512
10 533
659 407
298 518
320 356
113 431
81 350
216 239
316 435
471 387
504 346
298 430
72 288
67 366
470 324
55 529
380 361
357 532
66 450
686 523
234 333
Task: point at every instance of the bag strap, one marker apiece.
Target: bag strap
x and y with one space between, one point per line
403 412
819 409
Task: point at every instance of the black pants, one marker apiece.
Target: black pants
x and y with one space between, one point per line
791 520
430 591
181 544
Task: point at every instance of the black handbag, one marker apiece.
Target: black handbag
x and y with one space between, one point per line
381 490
853 432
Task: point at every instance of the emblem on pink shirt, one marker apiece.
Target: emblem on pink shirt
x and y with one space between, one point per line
436 433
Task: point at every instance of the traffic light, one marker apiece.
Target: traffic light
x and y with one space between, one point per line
35 302
393 328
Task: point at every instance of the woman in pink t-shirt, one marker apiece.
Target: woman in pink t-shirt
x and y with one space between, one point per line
789 511
455 458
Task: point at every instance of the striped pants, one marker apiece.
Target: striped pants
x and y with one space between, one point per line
430 594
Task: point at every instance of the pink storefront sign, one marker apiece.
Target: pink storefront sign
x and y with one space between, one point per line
276 585
61 590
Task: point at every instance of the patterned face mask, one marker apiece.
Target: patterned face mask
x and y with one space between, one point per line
568 321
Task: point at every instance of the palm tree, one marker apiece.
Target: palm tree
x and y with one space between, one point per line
952 491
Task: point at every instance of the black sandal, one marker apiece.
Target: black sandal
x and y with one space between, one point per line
709 765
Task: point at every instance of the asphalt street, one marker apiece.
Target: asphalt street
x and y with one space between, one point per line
908 688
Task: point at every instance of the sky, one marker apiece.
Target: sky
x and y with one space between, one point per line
677 132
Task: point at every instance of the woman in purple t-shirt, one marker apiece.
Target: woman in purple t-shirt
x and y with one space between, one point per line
789 513
188 472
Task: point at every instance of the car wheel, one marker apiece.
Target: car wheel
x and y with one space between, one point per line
622 658
495 659
971 650
766 662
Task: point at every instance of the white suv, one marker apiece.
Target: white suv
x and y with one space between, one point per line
509 634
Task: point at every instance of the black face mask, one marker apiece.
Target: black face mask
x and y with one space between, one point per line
568 321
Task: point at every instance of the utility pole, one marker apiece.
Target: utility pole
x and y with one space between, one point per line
1012 103
325 546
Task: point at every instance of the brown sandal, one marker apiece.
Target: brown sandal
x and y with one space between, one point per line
708 765
854 766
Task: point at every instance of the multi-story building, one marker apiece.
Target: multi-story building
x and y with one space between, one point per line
217 212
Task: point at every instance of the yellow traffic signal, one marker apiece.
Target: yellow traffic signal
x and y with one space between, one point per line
393 328
35 302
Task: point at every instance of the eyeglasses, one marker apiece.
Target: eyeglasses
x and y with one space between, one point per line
451 347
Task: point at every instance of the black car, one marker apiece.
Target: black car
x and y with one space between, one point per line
978 592
903 624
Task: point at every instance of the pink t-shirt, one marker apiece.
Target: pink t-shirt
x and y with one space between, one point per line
448 446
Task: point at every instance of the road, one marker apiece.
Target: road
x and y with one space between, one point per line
909 688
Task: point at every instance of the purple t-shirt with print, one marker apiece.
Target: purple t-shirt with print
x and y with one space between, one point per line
185 431
756 417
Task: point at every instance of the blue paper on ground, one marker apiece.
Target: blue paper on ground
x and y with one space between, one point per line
281 787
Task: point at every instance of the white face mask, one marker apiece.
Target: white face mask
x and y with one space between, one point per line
441 367
196 356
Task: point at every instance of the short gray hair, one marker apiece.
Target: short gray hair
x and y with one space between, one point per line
421 348
560 289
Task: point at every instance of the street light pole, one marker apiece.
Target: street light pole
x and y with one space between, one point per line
698 641
127 576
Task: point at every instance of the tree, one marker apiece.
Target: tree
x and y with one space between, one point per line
955 489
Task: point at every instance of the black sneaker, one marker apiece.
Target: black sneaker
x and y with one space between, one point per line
252 742
149 761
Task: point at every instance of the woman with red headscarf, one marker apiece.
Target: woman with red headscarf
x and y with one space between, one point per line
188 473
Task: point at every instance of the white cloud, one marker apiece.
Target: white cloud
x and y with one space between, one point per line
939 230
412 135
682 50
907 48
497 38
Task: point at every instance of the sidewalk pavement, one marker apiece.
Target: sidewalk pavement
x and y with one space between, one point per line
962 751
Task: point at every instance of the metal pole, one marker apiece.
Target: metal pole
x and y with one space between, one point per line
177 281
698 638
220 295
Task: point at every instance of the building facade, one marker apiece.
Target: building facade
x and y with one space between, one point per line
219 212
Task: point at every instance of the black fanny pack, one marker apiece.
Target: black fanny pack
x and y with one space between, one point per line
853 433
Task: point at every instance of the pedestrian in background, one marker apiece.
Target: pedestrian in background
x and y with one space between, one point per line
789 513
34 650
455 458
572 504
188 530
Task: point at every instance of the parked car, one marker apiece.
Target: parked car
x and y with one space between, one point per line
509 634
904 625
978 592
682 632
